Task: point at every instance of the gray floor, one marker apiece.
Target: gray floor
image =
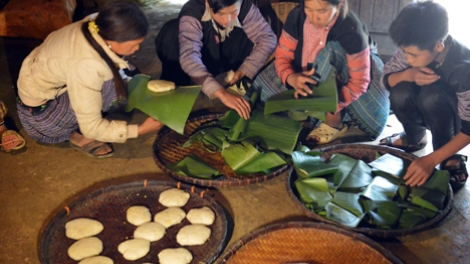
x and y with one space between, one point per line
39 182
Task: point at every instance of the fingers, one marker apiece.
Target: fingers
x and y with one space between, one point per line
309 73
243 108
238 75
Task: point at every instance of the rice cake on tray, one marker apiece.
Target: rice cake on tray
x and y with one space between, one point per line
167 149
108 205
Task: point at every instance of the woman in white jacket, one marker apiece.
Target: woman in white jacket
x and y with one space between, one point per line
67 82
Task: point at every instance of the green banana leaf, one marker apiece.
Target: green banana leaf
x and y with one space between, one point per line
273 132
410 219
432 194
215 137
352 173
380 189
427 213
341 215
244 158
349 201
313 191
239 126
299 115
193 166
323 99
391 165
308 166
171 108
384 214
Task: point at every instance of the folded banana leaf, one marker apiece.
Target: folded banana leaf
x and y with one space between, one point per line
244 158
341 215
308 166
323 99
313 191
391 165
383 214
171 108
410 218
193 166
432 194
352 173
380 189
349 201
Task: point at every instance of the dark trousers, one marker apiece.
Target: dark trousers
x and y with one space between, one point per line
432 107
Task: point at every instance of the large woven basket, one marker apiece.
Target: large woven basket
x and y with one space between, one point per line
109 205
167 149
305 242
367 153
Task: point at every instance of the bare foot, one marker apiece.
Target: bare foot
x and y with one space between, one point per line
79 140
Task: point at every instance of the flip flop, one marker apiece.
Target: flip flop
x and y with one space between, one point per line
91 149
326 134
11 141
387 141
456 171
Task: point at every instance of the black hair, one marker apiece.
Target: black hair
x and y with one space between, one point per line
344 9
118 21
217 5
420 24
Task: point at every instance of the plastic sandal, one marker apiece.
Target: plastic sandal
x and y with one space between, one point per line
387 141
456 171
91 149
324 133
11 141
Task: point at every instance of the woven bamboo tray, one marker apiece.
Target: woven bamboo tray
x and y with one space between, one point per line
108 205
305 242
167 149
367 154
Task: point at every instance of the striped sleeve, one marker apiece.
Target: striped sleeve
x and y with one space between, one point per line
359 77
284 56
190 39
261 34
397 63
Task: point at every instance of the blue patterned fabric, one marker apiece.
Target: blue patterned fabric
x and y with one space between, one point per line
370 112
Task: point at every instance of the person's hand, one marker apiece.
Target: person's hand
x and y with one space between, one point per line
419 171
423 75
299 82
236 102
237 77
149 125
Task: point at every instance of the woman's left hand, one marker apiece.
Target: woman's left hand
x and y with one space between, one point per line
419 171
237 77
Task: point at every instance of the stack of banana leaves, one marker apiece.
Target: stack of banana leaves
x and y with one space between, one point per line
356 194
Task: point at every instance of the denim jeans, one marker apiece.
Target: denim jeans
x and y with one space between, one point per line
432 107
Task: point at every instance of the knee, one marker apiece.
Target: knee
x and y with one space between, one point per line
399 95
432 98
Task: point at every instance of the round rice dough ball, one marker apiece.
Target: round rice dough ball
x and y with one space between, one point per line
138 215
174 198
193 235
170 216
175 256
151 231
97 260
134 249
85 248
203 216
159 86
82 227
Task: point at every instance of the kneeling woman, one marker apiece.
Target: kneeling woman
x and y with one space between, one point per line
75 74
318 35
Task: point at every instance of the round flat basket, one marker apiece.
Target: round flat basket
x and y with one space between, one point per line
305 242
167 149
367 153
109 205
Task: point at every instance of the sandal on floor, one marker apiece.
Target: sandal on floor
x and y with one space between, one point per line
458 173
325 134
387 141
11 141
91 149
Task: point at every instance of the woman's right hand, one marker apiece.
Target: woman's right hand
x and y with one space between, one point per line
149 125
236 102
299 82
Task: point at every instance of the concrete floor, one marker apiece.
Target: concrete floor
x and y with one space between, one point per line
38 182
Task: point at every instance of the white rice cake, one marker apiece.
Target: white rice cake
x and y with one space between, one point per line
134 249
82 227
175 256
193 235
203 216
159 86
85 248
151 231
174 198
97 260
170 216
138 215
